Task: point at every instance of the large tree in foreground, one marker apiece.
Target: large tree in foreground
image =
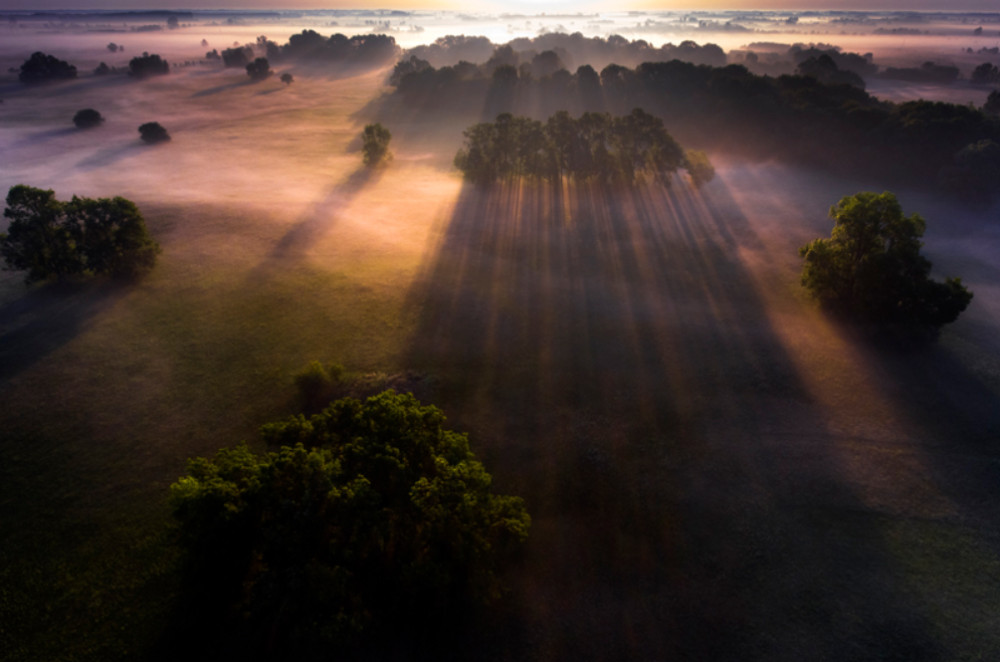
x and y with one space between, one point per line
871 267
370 518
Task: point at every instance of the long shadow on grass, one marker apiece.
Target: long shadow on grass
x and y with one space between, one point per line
616 367
48 317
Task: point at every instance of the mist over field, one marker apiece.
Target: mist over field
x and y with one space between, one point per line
716 468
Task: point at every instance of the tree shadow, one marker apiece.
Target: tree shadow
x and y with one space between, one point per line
222 88
110 155
48 317
616 366
45 136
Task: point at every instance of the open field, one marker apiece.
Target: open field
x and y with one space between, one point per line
715 469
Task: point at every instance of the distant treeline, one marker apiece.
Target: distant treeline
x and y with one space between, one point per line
791 118
309 45
593 147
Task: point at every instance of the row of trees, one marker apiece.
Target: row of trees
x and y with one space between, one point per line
792 118
595 146
367 520
48 238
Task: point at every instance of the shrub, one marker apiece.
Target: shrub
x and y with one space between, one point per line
87 118
153 132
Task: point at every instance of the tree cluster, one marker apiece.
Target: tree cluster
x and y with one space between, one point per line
259 69
369 519
42 68
796 119
593 147
147 65
871 267
48 238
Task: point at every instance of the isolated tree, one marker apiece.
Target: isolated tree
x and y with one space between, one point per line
102 69
871 267
42 68
367 518
375 144
259 69
48 238
287 78
147 65
172 23
113 47
152 133
87 118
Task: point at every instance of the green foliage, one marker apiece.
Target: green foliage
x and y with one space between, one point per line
699 168
871 267
370 516
152 133
259 69
375 144
42 68
48 238
147 65
87 118
595 146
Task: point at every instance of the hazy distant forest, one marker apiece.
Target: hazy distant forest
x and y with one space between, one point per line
429 335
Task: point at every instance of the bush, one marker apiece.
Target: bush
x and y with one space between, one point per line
369 521
152 133
48 238
42 68
87 118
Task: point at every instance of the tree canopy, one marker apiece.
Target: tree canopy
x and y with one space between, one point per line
871 267
153 132
259 69
147 65
375 144
87 118
41 68
368 516
595 146
48 238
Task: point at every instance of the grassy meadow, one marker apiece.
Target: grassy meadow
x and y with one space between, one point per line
715 469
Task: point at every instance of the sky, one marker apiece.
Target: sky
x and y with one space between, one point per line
519 5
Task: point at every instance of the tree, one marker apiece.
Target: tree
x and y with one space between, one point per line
992 105
48 238
87 118
42 68
153 132
375 144
871 268
259 69
287 78
369 518
699 168
147 65
985 74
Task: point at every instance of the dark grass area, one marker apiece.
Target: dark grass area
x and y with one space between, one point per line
704 482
